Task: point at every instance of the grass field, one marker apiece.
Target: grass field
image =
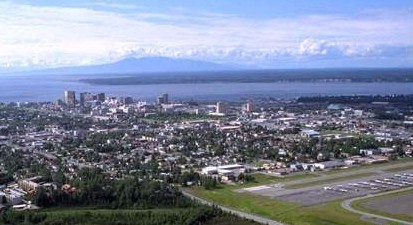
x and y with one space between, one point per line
398 169
262 179
328 180
400 163
290 213
326 214
361 205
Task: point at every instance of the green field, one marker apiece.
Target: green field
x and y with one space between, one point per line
328 180
290 213
400 163
398 169
262 179
326 214
360 205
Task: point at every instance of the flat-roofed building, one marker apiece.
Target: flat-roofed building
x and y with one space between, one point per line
70 98
221 108
28 185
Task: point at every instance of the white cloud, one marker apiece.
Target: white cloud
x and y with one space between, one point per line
56 36
112 5
312 47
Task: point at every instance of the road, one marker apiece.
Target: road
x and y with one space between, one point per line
253 217
347 205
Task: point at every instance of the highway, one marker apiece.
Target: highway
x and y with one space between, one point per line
347 205
250 216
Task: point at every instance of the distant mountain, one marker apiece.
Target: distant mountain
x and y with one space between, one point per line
138 65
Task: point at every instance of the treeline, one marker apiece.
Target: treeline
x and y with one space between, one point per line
208 182
94 188
201 215
262 76
396 99
5 178
93 198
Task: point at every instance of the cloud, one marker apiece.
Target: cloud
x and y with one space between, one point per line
46 36
112 5
312 47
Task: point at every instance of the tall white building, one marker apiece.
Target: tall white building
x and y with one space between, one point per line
249 107
221 108
70 98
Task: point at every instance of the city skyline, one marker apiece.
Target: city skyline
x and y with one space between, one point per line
264 34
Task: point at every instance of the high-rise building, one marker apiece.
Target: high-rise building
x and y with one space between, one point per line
163 99
84 97
101 97
221 108
70 98
249 107
159 100
127 100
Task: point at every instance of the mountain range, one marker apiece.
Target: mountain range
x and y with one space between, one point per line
137 65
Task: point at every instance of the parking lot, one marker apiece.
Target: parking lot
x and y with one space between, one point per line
340 190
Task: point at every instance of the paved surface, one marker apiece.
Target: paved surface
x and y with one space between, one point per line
317 194
347 205
350 172
250 216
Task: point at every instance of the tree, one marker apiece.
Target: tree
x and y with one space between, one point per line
41 198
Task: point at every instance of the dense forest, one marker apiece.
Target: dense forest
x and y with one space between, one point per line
201 215
99 200
396 99
262 76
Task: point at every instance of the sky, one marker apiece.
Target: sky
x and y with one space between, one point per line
255 33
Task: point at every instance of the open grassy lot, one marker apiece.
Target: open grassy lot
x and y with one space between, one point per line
398 169
262 179
330 213
392 165
328 180
396 205
291 213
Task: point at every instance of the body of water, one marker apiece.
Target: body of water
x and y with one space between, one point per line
51 88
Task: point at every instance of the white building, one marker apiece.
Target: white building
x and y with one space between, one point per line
310 133
226 170
371 151
12 197
221 108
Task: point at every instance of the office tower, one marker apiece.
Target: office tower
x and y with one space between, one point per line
159 100
249 107
221 107
70 98
101 97
84 97
59 102
127 100
163 99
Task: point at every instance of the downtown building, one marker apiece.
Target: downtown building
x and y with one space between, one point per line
70 99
